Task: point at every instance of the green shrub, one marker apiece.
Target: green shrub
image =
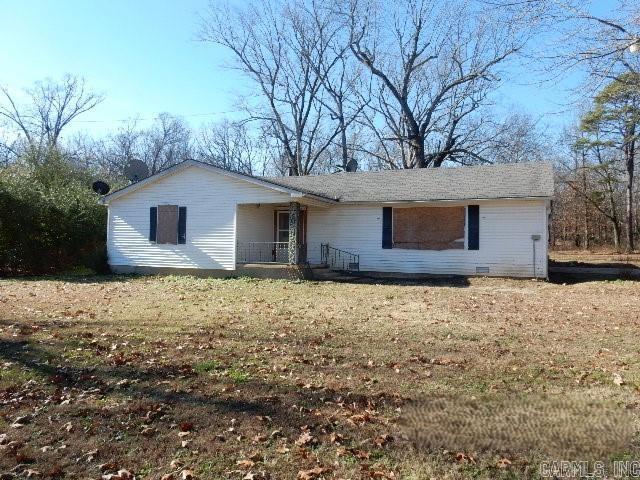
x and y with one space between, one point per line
50 220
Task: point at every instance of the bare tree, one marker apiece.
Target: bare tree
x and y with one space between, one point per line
435 63
52 106
278 46
231 146
604 46
516 138
340 73
166 143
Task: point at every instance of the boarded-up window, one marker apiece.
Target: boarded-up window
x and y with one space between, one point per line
167 229
428 228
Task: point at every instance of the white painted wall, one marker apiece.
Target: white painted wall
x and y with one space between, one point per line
211 200
505 240
255 223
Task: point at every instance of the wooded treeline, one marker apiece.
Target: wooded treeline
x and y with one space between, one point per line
389 84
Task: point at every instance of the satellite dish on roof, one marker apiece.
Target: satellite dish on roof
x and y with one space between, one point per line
100 187
352 165
136 170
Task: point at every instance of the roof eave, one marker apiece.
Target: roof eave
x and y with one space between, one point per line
449 200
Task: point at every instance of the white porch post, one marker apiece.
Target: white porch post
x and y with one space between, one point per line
294 220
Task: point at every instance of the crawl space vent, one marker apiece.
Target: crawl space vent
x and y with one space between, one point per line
482 269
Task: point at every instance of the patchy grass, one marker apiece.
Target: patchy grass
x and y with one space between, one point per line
259 379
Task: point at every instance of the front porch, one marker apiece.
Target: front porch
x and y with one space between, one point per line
271 234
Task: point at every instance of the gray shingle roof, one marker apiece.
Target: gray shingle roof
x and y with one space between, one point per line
514 180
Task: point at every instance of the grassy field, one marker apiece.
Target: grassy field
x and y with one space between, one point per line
178 377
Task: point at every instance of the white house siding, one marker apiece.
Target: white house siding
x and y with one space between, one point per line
211 200
506 247
255 223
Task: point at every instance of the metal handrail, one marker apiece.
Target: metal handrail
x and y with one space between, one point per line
266 252
337 259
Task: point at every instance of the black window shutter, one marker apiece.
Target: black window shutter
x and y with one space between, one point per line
473 227
387 228
153 223
182 225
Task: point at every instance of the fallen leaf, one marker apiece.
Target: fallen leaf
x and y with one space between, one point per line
361 454
305 438
313 473
186 426
504 463
382 440
618 380
105 467
187 475
246 464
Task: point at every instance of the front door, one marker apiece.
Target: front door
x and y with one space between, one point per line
281 231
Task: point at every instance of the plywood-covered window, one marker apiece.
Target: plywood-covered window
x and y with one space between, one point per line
168 224
429 228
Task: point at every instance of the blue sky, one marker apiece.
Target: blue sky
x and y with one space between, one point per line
144 56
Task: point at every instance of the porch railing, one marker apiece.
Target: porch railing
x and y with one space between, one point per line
337 259
267 252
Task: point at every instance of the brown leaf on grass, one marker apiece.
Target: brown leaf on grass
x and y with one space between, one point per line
313 473
336 438
125 474
464 458
359 418
105 467
305 438
24 458
32 473
256 456
56 472
504 463
361 454
382 474
382 440
187 475
342 451
618 380
259 438
246 464
282 449
167 476
185 426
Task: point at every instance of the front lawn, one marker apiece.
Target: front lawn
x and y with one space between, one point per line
251 379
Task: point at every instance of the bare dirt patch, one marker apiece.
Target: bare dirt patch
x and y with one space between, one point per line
276 379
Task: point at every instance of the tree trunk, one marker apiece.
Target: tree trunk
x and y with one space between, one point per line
616 234
630 154
630 242
585 204
416 146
